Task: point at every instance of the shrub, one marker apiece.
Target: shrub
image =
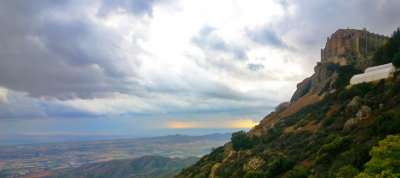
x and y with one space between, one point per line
279 165
385 159
347 172
241 141
396 60
344 75
331 66
254 174
298 172
281 107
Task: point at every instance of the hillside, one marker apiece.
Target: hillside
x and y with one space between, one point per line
328 130
145 166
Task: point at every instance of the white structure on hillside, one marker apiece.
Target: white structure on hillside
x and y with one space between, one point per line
374 73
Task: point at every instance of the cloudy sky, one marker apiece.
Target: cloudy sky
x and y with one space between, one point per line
114 67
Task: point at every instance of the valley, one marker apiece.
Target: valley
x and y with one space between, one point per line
20 160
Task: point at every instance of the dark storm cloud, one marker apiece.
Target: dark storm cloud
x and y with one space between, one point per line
22 107
207 40
47 52
137 7
315 20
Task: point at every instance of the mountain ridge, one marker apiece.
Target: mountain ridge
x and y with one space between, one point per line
328 130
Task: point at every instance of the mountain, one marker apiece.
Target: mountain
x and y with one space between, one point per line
329 129
145 166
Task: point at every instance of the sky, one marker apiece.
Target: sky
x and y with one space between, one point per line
103 67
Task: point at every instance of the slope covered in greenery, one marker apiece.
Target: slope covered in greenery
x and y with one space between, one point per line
145 166
334 137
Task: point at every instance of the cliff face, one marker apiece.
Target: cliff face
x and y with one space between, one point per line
318 83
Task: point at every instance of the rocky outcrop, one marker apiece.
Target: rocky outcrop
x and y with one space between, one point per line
302 89
354 105
320 81
363 113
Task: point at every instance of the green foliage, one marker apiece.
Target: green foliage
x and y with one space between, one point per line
385 160
396 60
356 90
241 141
298 172
387 51
344 75
347 172
254 174
279 165
331 66
334 145
282 106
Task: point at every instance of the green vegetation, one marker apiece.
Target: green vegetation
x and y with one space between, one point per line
254 174
347 172
386 53
385 160
282 106
298 172
241 141
337 136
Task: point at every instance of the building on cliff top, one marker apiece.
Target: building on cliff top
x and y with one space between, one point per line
374 73
350 42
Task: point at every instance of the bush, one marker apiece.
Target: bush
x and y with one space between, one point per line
241 141
279 165
298 172
396 60
344 75
385 159
331 66
281 107
347 172
254 174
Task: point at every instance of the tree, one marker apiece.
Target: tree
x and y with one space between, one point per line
298 172
347 172
279 165
396 60
241 141
254 174
281 107
385 161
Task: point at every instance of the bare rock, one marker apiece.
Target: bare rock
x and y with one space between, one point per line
363 113
354 105
350 122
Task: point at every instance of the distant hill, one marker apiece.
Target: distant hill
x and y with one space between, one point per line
329 129
145 166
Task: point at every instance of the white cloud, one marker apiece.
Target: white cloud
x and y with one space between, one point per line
3 95
105 58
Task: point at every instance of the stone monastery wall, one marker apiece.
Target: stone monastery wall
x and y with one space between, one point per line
350 41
